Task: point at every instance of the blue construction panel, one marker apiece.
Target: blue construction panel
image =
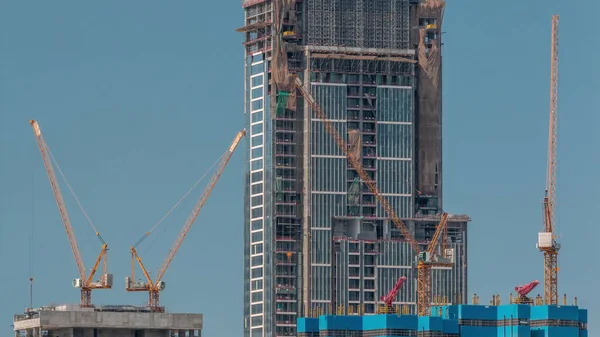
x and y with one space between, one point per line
377 322
513 311
555 331
561 331
537 333
450 326
515 331
430 323
541 312
477 312
478 331
308 325
353 323
583 333
583 315
451 312
442 310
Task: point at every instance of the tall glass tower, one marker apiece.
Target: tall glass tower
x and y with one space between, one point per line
316 241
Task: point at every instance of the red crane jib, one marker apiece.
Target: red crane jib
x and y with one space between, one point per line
391 295
527 288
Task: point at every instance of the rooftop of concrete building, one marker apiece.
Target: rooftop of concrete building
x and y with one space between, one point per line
67 316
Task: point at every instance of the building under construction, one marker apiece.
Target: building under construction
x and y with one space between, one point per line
458 321
317 235
109 321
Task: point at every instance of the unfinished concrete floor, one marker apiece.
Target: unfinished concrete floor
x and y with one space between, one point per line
91 323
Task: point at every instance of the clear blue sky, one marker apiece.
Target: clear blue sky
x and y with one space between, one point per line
137 99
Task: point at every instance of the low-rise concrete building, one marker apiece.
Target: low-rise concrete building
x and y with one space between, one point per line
113 321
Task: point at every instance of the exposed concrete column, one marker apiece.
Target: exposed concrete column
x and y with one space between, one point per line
306 201
29 333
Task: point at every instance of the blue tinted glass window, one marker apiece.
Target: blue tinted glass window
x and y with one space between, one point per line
257 188
257 153
257 249
256 273
257 320
257 236
257 69
257 200
257 176
257 224
257 128
256 165
257 105
257 80
257 116
257 58
257 212
256 141
256 93
257 296
258 284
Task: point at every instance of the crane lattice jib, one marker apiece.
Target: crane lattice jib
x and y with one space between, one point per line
438 232
356 164
62 208
553 129
198 207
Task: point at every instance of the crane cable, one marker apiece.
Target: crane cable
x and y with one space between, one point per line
31 238
178 202
75 196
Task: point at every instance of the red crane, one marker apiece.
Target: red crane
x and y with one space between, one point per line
388 298
523 291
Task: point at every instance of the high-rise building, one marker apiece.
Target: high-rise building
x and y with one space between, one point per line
316 240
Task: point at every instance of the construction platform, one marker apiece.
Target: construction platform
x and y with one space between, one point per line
113 321
457 321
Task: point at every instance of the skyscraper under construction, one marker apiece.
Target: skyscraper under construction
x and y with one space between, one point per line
316 240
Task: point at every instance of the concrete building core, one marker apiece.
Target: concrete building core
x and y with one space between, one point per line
113 321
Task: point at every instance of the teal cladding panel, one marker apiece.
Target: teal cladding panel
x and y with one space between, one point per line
352 323
377 322
478 331
542 312
583 315
431 323
308 325
513 311
487 312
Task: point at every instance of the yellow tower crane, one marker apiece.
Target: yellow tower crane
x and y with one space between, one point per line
547 239
154 287
86 281
426 258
